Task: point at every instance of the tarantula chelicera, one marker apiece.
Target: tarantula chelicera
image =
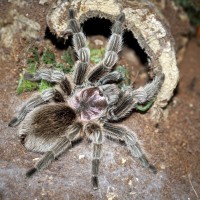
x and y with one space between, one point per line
86 103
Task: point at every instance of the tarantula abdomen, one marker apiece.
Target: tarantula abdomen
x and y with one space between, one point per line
48 120
87 103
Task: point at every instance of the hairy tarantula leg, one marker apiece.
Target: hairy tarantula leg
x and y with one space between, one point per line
63 144
79 72
149 91
129 100
124 134
113 77
122 108
94 132
46 95
53 76
111 93
50 75
114 46
83 53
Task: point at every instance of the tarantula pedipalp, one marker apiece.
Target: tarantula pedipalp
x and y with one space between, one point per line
85 103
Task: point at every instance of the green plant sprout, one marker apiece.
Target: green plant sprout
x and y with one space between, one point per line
48 57
43 85
97 55
25 85
145 107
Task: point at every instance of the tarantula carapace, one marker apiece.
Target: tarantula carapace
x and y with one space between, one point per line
85 103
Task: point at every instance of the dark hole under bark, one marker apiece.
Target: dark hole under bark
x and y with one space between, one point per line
58 42
97 26
133 57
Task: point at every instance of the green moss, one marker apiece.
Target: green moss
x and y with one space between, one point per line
25 85
68 62
43 85
67 57
48 57
34 60
126 76
97 54
34 56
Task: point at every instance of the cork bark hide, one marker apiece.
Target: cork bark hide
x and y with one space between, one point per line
146 24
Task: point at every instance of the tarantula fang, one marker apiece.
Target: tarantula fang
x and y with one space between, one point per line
85 103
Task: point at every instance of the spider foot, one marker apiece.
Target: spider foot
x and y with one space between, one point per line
153 169
146 164
14 122
95 182
30 172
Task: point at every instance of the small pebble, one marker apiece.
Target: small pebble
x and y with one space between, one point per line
123 161
132 193
162 166
111 196
98 42
81 156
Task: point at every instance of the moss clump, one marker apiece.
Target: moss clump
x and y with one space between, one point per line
48 57
97 55
25 85
126 76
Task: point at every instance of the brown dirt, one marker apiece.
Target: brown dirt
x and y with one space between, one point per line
173 146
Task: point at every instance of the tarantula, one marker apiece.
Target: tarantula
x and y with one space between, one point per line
85 103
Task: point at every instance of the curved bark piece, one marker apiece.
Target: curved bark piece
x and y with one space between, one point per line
143 20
